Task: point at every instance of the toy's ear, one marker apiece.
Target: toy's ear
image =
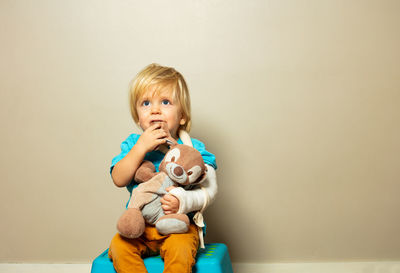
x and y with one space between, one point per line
201 178
184 136
171 142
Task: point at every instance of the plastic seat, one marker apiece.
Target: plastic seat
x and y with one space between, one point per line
213 259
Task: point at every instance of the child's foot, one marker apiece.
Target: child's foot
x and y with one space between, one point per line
173 223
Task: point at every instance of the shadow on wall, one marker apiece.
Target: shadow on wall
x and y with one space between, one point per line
227 220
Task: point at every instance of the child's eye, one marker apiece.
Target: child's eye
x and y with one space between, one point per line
165 102
146 103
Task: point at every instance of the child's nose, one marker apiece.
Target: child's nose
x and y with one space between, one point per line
155 109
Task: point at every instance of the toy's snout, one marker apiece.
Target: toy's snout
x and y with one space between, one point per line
178 170
176 173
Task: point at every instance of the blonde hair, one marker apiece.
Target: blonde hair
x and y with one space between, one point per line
160 77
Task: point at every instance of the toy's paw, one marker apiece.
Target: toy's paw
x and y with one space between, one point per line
131 223
173 223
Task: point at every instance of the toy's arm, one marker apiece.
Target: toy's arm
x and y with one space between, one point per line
145 172
193 200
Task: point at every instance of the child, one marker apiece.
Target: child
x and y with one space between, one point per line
160 105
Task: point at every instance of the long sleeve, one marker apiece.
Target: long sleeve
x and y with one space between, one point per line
193 200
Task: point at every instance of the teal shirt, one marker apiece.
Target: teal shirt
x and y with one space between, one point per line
156 156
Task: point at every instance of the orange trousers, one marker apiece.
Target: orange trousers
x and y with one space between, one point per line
178 250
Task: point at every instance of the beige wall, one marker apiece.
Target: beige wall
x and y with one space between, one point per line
299 100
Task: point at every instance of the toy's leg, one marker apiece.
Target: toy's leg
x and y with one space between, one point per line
179 251
131 223
126 254
173 223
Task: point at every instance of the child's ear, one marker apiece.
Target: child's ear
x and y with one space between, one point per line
182 122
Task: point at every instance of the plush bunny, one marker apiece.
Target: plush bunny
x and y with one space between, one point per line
182 166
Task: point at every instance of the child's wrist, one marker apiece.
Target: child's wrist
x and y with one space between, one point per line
140 150
179 193
141 145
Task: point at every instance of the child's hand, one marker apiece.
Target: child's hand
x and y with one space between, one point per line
169 203
164 126
152 137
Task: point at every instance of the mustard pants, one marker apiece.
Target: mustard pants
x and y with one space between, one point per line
178 250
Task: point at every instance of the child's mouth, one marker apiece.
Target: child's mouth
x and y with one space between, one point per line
156 121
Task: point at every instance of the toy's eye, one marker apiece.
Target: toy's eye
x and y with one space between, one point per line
194 173
165 102
172 155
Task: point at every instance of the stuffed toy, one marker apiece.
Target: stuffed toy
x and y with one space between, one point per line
182 166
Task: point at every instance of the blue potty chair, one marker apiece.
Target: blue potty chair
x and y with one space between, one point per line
213 259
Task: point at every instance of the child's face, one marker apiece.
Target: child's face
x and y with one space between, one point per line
161 107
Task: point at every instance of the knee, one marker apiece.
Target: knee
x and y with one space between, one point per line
117 246
122 246
180 248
